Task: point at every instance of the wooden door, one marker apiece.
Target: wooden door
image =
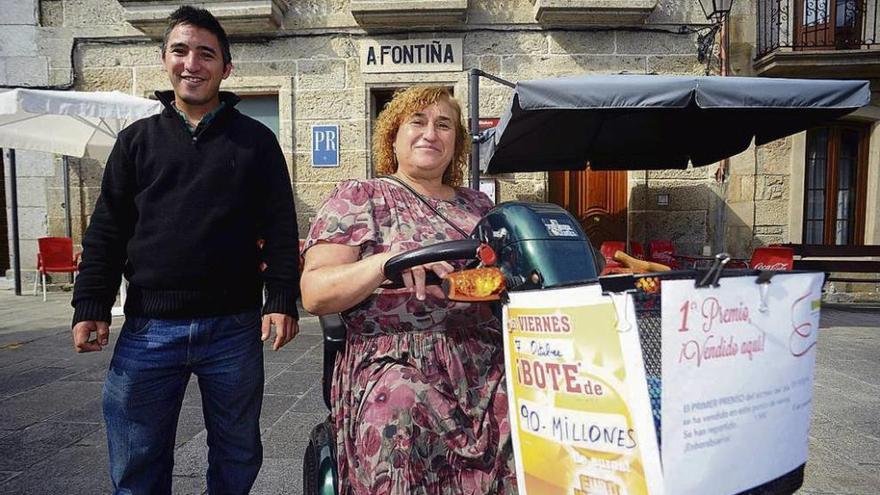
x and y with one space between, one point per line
598 199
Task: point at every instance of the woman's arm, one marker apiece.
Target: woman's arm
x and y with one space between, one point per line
334 280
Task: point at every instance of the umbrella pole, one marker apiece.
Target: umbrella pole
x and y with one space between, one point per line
13 220
65 172
68 224
474 96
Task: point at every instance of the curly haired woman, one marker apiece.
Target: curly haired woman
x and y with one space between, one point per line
419 399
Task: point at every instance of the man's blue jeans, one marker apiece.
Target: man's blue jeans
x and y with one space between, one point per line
144 391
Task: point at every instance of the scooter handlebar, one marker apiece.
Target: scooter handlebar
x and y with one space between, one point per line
464 249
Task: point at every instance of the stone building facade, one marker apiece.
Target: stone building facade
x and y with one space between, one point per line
821 186
309 59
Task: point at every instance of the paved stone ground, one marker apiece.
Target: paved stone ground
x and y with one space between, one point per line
52 440
52 437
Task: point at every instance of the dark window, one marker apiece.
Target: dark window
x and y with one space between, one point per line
261 107
835 185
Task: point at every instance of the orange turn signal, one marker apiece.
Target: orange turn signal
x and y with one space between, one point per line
478 284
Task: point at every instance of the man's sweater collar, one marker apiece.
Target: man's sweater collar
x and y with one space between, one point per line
227 101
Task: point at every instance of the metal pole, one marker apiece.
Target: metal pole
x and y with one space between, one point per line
13 219
724 165
65 172
474 96
68 223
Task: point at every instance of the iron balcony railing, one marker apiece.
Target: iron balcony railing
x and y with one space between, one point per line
817 25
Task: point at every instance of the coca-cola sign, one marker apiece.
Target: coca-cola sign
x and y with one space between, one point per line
780 265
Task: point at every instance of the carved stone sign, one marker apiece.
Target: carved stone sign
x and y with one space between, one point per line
418 55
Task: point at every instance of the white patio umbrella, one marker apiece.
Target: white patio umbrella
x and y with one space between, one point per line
73 123
70 123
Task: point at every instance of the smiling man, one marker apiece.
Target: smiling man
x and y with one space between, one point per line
187 197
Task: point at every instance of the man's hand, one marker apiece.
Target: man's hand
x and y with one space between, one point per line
83 330
286 329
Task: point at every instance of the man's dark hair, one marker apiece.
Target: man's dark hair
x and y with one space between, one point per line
199 18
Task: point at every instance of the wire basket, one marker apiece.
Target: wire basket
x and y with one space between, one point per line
646 300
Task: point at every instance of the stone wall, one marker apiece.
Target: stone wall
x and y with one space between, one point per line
758 196
684 219
22 63
37 173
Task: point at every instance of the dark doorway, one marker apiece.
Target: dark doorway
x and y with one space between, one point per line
379 97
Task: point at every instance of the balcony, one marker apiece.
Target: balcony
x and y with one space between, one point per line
572 13
410 13
245 17
818 38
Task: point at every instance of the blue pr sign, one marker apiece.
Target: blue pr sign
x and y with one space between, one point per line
325 145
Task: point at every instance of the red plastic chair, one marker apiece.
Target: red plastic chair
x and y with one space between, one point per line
636 250
772 258
608 248
662 252
55 255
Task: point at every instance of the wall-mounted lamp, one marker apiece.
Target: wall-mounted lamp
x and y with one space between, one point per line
716 9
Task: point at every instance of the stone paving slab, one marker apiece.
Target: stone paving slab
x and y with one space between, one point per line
52 438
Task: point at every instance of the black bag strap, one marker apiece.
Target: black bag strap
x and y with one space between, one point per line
427 203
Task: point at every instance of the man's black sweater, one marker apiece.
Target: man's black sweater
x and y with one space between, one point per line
182 212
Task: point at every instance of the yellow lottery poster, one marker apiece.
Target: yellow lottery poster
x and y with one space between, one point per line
579 406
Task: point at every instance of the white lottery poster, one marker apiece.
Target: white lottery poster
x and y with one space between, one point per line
738 364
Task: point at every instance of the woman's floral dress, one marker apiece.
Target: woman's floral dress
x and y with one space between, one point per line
419 392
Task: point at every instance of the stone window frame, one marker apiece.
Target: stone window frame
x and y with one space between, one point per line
869 115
